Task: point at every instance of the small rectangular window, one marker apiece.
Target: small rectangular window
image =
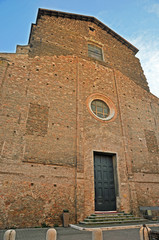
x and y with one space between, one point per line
95 52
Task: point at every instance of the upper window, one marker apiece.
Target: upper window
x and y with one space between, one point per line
95 52
92 29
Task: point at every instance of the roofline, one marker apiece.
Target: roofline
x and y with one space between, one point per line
42 12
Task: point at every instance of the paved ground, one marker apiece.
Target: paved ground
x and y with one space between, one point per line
73 234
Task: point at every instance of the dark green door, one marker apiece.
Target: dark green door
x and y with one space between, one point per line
105 198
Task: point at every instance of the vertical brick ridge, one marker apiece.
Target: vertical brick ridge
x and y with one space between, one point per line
128 168
3 71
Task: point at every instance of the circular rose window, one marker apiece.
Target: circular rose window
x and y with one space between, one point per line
101 107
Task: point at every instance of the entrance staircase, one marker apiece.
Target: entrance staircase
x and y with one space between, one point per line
112 218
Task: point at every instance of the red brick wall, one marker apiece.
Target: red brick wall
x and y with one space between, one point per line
64 36
38 126
48 135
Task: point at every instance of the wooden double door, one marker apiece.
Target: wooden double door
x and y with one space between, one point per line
105 196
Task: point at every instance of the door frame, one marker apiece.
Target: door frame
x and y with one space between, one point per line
115 170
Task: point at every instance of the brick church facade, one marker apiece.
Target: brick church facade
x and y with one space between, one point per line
79 126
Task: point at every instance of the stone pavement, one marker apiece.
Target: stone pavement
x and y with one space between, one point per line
73 234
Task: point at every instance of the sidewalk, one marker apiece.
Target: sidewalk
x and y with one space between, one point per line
73 234
40 234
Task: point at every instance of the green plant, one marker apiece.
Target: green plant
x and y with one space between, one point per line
56 225
44 225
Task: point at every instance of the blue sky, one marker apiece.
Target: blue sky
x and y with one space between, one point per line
135 20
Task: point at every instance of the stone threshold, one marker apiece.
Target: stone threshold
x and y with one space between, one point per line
105 212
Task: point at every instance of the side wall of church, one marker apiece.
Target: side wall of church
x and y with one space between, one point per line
140 118
38 140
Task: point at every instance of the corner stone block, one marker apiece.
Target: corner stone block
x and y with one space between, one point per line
144 233
10 235
51 234
97 234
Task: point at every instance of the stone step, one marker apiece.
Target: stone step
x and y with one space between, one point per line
110 216
123 215
111 219
113 222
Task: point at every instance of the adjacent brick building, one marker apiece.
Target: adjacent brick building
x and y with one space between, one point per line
79 127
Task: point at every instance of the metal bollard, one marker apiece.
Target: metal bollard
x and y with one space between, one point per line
144 233
51 234
10 235
97 234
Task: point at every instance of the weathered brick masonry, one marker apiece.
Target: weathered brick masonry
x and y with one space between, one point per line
48 134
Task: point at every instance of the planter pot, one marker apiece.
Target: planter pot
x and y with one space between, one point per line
65 219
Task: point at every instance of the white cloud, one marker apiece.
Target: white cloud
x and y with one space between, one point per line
149 58
154 9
